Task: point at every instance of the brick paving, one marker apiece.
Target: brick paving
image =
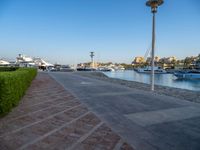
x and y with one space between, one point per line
49 117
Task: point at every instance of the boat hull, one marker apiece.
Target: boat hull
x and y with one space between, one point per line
187 75
148 71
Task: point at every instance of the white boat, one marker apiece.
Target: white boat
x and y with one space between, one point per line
193 74
157 70
119 68
85 69
66 68
105 69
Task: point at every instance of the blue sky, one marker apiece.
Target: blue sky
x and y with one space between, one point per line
65 31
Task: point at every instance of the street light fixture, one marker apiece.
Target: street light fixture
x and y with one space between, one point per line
154 5
92 60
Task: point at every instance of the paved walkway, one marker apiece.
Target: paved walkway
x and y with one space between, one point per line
49 118
147 121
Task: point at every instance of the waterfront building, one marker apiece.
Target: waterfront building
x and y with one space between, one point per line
198 65
197 62
88 65
179 66
93 64
40 62
148 61
168 60
156 60
190 62
4 63
25 61
138 60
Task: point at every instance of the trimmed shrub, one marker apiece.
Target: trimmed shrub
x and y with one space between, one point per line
13 86
2 69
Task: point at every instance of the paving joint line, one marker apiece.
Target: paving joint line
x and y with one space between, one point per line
85 136
41 103
118 145
16 130
51 132
51 106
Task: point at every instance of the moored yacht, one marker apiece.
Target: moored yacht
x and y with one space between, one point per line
157 70
193 74
105 69
85 69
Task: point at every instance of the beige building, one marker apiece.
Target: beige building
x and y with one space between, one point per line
156 59
93 65
168 60
138 60
88 65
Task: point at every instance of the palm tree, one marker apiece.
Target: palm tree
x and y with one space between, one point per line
188 61
173 62
198 61
198 57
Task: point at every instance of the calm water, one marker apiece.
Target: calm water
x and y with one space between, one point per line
160 79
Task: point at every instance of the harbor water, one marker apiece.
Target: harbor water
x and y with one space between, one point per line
160 79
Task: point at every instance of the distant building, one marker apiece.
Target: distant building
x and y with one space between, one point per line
26 61
168 60
197 62
94 64
148 60
198 65
88 65
4 63
138 60
157 59
179 65
40 62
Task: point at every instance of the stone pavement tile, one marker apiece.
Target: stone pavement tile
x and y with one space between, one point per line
102 139
30 119
168 138
67 136
28 134
8 127
126 146
69 103
49 117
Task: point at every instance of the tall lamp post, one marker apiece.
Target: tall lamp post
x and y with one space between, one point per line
154 5
92 60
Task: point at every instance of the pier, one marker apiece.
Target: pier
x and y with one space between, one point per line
50 117
65 110
146 120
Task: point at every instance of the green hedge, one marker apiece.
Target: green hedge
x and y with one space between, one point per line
13 86
2 69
